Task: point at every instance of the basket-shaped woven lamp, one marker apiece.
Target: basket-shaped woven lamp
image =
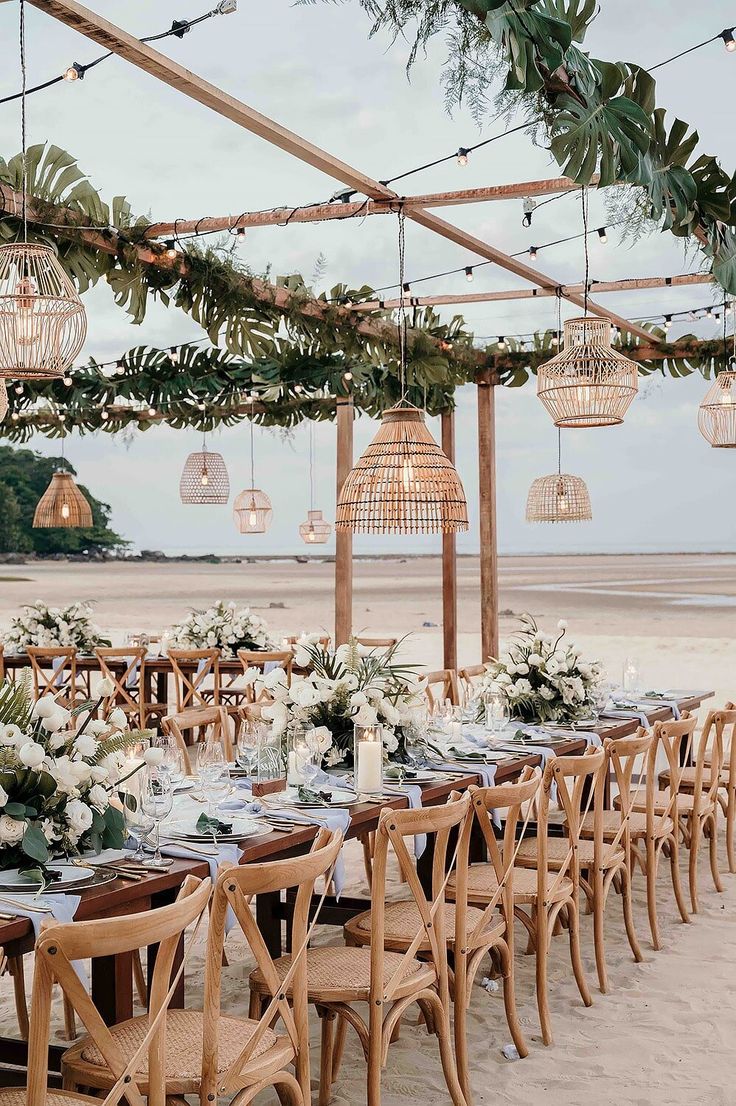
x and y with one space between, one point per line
403 484
3 399
62 504
316 530
204 478
588 383
717 412
42 321
252 511
558 498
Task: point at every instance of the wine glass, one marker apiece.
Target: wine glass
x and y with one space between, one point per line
172 759
415 737
138 824
497 711
157 800
209 753
215 786
246 750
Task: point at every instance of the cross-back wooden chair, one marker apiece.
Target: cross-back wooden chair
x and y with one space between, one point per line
129 1059
55 673
196 677
440 685
389 982
377 642
198 724
294 639
697 801
727 794
654 823
468 680
275 658
262 1057
128 676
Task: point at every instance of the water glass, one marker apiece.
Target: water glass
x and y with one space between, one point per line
157 801
631 678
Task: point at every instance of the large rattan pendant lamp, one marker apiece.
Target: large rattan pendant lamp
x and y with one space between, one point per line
717 412
204 478
42 321
588 383
252 510
404 483
316 530
559 497
62 504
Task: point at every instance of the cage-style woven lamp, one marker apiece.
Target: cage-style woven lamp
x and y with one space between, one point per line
62 504
558 498
588 383
204 478
316 530
42 321
252 511
717 412
404 483
3 399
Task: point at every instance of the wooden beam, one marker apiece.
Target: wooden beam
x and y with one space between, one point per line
449 562
343 538
118 41
319 213
632 284
489 604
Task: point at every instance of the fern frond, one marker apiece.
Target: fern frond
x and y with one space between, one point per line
16 703
118 744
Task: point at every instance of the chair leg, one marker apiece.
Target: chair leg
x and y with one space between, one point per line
373 1074
139 978
327 1019
629 914
367 841
695 835
70 1022
652 864
573 915
509 1001
15 967
598 932
542 943
730 826
713 848
338 1047
676 882
448 1060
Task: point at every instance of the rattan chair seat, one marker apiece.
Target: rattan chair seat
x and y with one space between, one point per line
685 803
637 825
336 974
557 850
688 778
402 921
17 1096
483 884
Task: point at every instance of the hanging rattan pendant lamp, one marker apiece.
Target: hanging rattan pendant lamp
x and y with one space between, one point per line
62 504
316 530
252 510
404 483
717 412
558 497
204 478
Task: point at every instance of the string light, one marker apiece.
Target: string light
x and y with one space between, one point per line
406 286
501 342
602 235
67 381
667 322
728 39
240 235
462 156
469 274
532 253
74 72
174 355
348 376
171 250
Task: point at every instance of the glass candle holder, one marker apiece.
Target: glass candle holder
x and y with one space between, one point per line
270 773
368 758
299 755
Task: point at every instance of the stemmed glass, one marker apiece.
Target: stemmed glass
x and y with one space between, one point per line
157 800
415 737
215 786
172 758
209 754
138 824
246 750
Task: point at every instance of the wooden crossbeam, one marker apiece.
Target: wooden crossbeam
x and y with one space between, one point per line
336 210
631 284
113 38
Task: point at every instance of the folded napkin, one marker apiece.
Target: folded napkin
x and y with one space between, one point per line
63 909
412 792
633 712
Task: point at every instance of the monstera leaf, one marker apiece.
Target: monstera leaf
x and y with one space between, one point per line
713 187
723 247
528 37
576 13
662 170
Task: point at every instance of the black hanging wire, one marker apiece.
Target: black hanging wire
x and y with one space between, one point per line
558 294
401 321
584 201
24 170
311 464
252 456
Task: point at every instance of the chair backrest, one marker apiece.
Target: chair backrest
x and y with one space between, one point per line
674 739
628 757
196 677
377 642
580 782
708 776
729 740
442 684
127 675
468 678
235 889
276 658
199 724
59 945
54 672
294 639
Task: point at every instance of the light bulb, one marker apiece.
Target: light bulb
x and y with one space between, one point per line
204 479
563 504
407 475
311 535
151 411
25 333
347 376
709 313
667 322
532 253
67 381
171 250
602 235
407 286
74 72
174 356
728 39
65 512
240 235
469 273
501 342
104 416
462 156
252 518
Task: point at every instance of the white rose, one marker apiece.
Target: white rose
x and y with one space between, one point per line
511 669
118 718
522 669
547 693
366 716
98 774
86 745
534 659
322 736
103 688
153 756
56 721
98 797
43 707
9 734
358 699
11 830
80 770
390 742
97 727
562 624
56 740
78 816
3 796
61 771
390 713
31 754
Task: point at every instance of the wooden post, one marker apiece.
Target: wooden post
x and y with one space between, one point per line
487 496
449 562
344 538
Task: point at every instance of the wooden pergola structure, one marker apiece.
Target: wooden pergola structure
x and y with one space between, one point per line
379 199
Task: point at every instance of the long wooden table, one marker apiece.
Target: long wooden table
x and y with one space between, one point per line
111 981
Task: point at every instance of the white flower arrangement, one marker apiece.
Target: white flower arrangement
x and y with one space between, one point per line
223 626
352 686
58 772
54 627
544 678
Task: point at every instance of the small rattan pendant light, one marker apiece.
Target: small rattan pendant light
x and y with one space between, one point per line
404 483
588 383
717 412
316 530
62 504
559 497
252 510
42 321
204 478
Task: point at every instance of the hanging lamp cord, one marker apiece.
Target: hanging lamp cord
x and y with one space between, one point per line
252 457
311 465
584 202
402 309
24 164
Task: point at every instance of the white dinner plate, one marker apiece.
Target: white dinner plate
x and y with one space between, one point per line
338 797
185 829
14 880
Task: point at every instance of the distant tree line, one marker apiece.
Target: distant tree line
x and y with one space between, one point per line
24 477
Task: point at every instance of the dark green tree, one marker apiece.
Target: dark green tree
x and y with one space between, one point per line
24 477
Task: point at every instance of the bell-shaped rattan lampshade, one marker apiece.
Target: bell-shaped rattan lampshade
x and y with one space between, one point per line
558 498
316 530
403 484
62 504
588 383
3 399
42 321
717 413
252 511
204 478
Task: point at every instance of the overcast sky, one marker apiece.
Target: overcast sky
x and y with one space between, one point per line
654 482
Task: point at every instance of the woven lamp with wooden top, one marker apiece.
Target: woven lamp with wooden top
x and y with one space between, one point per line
316 530
559 497
252 511
42 321
588 383
717 412
204 478
404 483
62 504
